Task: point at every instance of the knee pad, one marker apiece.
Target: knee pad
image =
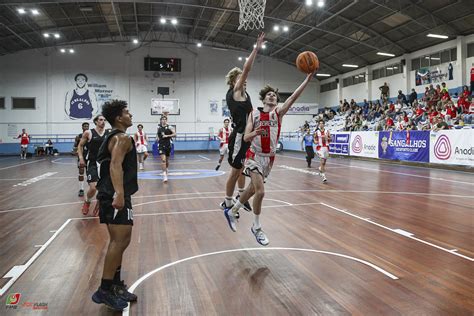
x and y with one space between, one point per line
81 177
81 171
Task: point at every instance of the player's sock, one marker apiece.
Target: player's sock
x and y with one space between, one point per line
256 222
117 275
228 201
236 207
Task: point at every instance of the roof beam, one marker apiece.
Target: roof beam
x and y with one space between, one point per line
116 19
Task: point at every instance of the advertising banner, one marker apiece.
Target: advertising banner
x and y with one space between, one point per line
303 108
454 147
405 145
339 144
365 144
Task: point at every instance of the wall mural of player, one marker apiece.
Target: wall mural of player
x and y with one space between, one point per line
81 103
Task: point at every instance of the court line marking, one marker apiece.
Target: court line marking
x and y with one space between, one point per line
35 179
398 231
22 164
267 191
200 156
132 288
392 172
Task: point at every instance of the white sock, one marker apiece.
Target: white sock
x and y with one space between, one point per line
256 222
82 185
236 207
228 201
241 191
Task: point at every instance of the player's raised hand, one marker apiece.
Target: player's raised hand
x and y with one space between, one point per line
260 40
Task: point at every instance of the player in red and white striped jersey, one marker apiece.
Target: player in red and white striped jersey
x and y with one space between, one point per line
141 141
322 138
24 141
263 131
223 136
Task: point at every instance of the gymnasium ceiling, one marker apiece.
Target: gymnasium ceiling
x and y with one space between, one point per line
342 32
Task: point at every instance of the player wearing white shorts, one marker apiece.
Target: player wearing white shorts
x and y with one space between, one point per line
322 138
223 136
141 142
263 131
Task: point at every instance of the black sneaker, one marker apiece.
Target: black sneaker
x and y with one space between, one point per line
110 300
247 206
120 290
218 166
81 193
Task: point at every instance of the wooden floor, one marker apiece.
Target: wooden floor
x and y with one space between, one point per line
377 239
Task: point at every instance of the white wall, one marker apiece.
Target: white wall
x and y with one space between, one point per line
48 78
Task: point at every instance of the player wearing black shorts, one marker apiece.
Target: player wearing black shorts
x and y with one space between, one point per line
240 107
164 135
92 138
85 127
117 159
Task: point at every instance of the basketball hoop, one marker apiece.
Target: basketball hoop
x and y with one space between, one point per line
251 14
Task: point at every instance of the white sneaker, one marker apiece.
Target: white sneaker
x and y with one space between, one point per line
165 177
260 236
231 219
324 177
141 166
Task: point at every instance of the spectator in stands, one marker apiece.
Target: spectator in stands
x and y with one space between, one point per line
401 124
305 126
444 89
440 124
413 97
384 91
468 117
411 126
389 124
418 114
402 98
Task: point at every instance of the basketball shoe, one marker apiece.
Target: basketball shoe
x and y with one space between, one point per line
110 300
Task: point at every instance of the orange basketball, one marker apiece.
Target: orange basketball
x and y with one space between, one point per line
307 62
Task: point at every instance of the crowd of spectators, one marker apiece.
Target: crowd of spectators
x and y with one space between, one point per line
435 110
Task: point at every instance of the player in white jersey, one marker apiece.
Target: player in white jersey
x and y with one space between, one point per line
223 136
263 131
141 141
322 138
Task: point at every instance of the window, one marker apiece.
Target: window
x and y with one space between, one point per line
445 56
375 74
435 59
415 64
352 80
454 54
328 86
470 50
2 102
23 103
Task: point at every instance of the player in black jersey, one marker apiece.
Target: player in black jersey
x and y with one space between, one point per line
164 135
240 107
85 127
92 138
117 159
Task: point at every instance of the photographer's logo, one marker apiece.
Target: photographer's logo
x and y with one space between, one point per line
13 300
357 144
442 148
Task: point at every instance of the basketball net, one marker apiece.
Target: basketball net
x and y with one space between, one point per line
251 14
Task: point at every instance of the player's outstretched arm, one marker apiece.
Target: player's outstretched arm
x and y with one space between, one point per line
289 102
239 85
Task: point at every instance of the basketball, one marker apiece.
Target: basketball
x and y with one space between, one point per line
307 62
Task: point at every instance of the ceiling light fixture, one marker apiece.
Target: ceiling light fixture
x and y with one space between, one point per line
286 28
309 2
349 66
46 35
163 21
437 36
323 75
264 46
62 50
21 10
199 44
71 51
320 3
240 58
386 54
35 12
56 35
135 41
276 28
174 21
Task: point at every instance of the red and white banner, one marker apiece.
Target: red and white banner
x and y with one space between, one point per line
453 147
365 144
